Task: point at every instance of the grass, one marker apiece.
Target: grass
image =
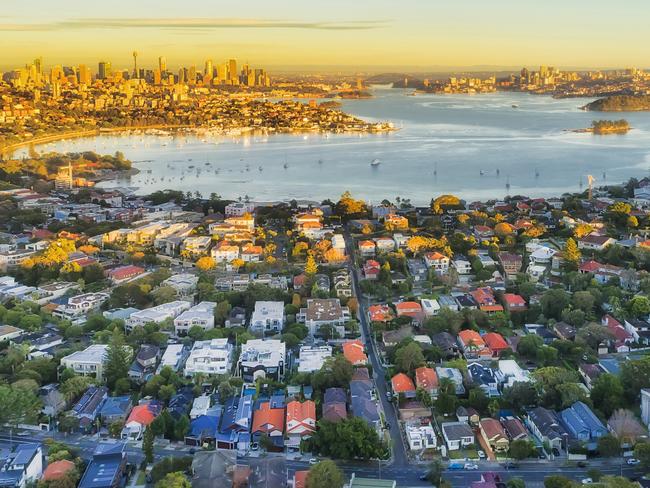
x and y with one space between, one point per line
463 453
141 480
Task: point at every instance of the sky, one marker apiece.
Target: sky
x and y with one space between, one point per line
361 35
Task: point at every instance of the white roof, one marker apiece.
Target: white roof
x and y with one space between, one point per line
92 354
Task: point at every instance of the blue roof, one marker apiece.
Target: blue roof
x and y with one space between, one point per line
105 467
573 422
204 425
25 453
116 405
365 408
588 416
335 395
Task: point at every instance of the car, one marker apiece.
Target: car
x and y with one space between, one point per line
470 466
633 461
455 466
582 464
587 481
510 466
389 396
313 461
424 476
481 454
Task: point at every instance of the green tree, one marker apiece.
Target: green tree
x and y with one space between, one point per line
553 302
325 474
639 306
609 446
351 438
117 359
516 483
642 453
607 394
409 357
18 405
174 480
521 449
147 444
558 481
434 472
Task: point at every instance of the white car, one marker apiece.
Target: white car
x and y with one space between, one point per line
313 461
587 481
481 454
633 461
470 466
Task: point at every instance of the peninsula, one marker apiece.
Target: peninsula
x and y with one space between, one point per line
620 103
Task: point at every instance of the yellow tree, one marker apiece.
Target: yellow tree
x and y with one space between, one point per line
206 263
311 268
582 230
571 252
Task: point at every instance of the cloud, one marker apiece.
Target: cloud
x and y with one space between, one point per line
193 23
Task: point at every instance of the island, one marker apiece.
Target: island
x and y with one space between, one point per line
620 103
610 126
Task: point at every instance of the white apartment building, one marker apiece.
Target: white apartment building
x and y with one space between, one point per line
430 306
261 358
173 357
225 253
80 305
13 259
267 317
89 362
201 315
157 314
312 358
327 311
209 357
183 283
196 245
239 209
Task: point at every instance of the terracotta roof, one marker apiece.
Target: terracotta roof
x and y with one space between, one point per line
471 337
514 299
300 479
266 419
426 378
142 414
353 352
125 272
402 383
495 341
380 313
590 266
492 428
57 470
301 411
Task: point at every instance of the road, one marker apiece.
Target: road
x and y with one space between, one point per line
399 457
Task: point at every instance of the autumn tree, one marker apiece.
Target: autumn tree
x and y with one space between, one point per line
571 252
206 263
311 268
347 205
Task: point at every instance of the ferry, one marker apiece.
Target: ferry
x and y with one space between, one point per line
375 162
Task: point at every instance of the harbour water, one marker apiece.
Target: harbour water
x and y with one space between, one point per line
469 145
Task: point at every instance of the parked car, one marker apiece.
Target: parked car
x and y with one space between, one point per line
455 466
424 476
587 481
470 466
510 465
313 461
583 464
481 454
633 461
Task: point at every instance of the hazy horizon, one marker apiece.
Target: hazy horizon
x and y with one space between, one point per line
341 36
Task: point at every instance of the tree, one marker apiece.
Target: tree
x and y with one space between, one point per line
350 438
117 359
607 393
18 405
557 481
635 375
206 263
642 453
571 252
434 473
521 449
553 302
325 474
73 387
174 480
311 268
409 357
516 483
639 306
147 444
609 446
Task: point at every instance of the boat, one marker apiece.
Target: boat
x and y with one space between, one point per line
375 162
320 161
482 173
260 168
285 165
514 105
536 173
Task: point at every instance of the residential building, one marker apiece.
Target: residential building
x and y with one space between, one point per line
401 384
87 409
514 303
261 358
437 262
22 467
319 312
115 409
420 436
335 404
312 358
79 306
511 264
122 274
581 423
546 427
514 428
457 435
495 343
210 357
354 352
594 242
183 283
174 357
157 314
201 315
486 301
140 417
473 345
427 379
267 317
485 378
269 422
430 307
462 265
12 259
300 422
454 375
509 372
89 362
494 434
106 468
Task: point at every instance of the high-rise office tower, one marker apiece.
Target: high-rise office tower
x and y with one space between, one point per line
232 71
135 65
162 65
103 70
84 75
38 63
191 75
182 75
222 73
209 68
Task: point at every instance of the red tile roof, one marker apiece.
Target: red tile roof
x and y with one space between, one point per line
514 300
402 383
380 313
426 378
300 479
57 470
267 419
124 272
468 337
142 414
495 342
353 351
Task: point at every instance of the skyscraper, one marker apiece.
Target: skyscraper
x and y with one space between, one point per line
191 75
104 70
84 75
209 68
233 76
135 65
162 65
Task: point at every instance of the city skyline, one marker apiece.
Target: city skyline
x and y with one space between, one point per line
363 35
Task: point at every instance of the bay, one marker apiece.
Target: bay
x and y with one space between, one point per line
468 145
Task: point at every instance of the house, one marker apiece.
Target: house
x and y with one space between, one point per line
449 302
267 317
514 303
392 338
235 425
371 269
462 265
509 372
107 467
446 343
261 358
430 307
594 242
495 343
622 338
454 375
323 311
380 313
581 423
200 315
174 357
140 417
225 252
410 309
420 436
157 314
564 331
200 406
211 357
58 470
542 255
86 410
354 352
486 301
203 429
9 332
546 427
123 274
484 378
22 467
334 404
427 379
77 307
473 345
269 422
384 244
183 283
115 409
53 400
457 435
312 358
144 364
363 404
437 262
342 284
494 434
590 373
468 415
395 222
514 428
89 362
403 385
511 264
300 422
367 248
180 403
